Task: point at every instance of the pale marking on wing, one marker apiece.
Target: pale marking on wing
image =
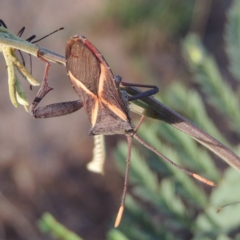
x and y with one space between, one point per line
112 107
96 100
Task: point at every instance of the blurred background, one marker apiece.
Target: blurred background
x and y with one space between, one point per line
43 162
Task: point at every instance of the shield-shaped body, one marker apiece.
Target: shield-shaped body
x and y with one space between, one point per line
97 88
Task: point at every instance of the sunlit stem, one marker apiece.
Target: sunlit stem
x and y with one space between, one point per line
23 71
11 75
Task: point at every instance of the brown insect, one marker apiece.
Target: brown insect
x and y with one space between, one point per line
105 104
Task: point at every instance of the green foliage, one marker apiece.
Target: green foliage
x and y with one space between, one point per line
232 39
153 13
145 23
217 91
48 224
164 202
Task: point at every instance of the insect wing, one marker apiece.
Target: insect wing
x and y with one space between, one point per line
95 85
84 71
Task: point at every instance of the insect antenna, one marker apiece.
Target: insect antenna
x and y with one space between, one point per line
19 35
38 40
194 175
29 39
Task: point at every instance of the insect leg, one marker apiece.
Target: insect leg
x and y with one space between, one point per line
129 140
194 175
121 209
52 110
2 23
153 90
